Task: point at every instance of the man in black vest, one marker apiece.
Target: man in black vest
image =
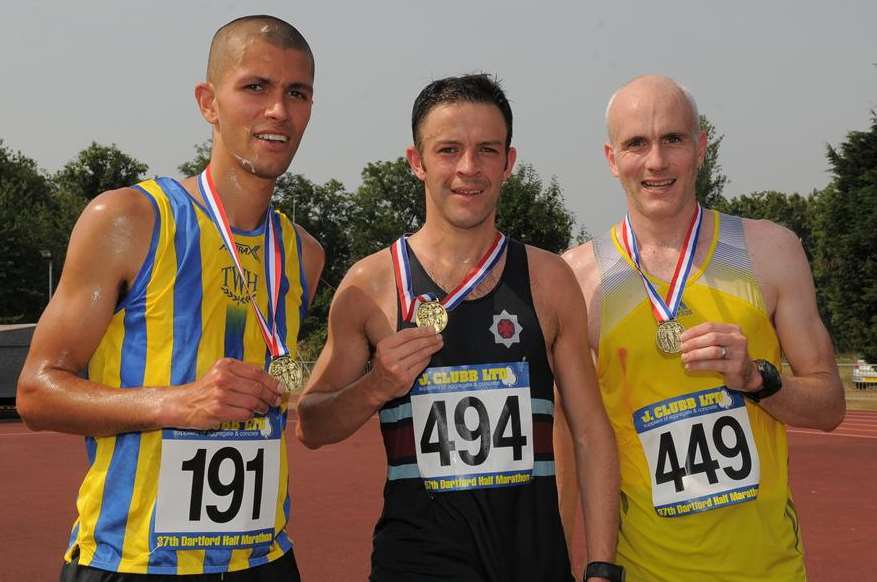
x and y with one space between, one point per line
467 333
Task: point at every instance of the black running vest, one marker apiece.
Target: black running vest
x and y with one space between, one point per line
470 492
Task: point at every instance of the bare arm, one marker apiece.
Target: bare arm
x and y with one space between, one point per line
107 248
812 396
340 396
584 266
593 439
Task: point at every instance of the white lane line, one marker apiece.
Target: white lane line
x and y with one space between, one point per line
834 434
49 433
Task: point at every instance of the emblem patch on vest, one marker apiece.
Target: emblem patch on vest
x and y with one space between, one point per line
505 329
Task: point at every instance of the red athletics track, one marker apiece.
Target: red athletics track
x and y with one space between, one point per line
337 498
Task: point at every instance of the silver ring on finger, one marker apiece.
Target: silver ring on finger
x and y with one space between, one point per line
724 353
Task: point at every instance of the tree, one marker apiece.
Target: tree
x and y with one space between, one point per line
323 211
389 202
97 169
710 178
197 164
27 207
534 213
846 236
793 211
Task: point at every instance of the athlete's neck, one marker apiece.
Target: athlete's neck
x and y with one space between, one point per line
449 249
664 232
244 196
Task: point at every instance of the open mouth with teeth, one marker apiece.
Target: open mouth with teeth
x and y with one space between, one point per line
272 137
658 183
467 191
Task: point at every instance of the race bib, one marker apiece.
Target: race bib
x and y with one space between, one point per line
700 451
473 426
218 488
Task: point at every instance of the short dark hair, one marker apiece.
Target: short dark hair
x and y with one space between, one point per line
477 88
270 28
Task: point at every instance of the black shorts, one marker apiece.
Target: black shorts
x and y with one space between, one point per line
283 569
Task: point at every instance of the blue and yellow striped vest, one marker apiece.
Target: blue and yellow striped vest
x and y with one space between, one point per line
187 308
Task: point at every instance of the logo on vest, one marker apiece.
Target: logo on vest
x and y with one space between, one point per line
236 288
505 329
246 250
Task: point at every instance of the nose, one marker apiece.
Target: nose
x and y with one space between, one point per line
276 108
468 164
656 161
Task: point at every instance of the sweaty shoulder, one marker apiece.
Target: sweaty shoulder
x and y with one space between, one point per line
115 231
777 256
584 265
368 291
553 283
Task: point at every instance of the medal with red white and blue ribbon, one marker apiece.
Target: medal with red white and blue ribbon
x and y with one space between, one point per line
282 366
666 309
426 310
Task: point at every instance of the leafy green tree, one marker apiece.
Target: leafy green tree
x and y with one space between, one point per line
197 164
711 180
323 211
99 168
846 236
27 207
793 211
534 213
389 202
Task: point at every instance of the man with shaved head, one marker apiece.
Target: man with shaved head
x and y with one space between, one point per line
689 313
183 300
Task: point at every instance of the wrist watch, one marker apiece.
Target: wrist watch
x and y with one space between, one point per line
608 570
771 381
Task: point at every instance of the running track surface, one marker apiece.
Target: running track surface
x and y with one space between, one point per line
337 498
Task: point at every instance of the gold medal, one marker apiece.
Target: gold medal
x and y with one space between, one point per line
431 314
668 336
288 371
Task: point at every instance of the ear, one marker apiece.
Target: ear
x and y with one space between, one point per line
701 147
205 97
510 159
415 160
609 152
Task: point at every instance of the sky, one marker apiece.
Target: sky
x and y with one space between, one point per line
781 80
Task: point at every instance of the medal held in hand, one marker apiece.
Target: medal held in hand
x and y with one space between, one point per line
431 314
288 372
669 330
668 336
286 369
426 310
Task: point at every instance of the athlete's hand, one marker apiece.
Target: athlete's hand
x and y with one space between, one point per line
231 390
719 347
400 358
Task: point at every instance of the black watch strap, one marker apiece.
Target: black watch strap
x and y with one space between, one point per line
608 570
770 378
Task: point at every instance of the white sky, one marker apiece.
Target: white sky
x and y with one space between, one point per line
780 79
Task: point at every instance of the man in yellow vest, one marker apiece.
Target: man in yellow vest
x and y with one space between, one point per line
690 311
180 298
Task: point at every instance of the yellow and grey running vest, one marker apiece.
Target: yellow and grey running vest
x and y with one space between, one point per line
704 472
179 501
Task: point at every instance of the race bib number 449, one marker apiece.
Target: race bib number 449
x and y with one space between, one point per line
473 426
700 451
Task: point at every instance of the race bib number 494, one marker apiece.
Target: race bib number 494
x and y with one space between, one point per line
473 426
218 489
700 451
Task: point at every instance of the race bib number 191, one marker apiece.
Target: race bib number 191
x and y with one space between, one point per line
700 451
473 426
218 489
